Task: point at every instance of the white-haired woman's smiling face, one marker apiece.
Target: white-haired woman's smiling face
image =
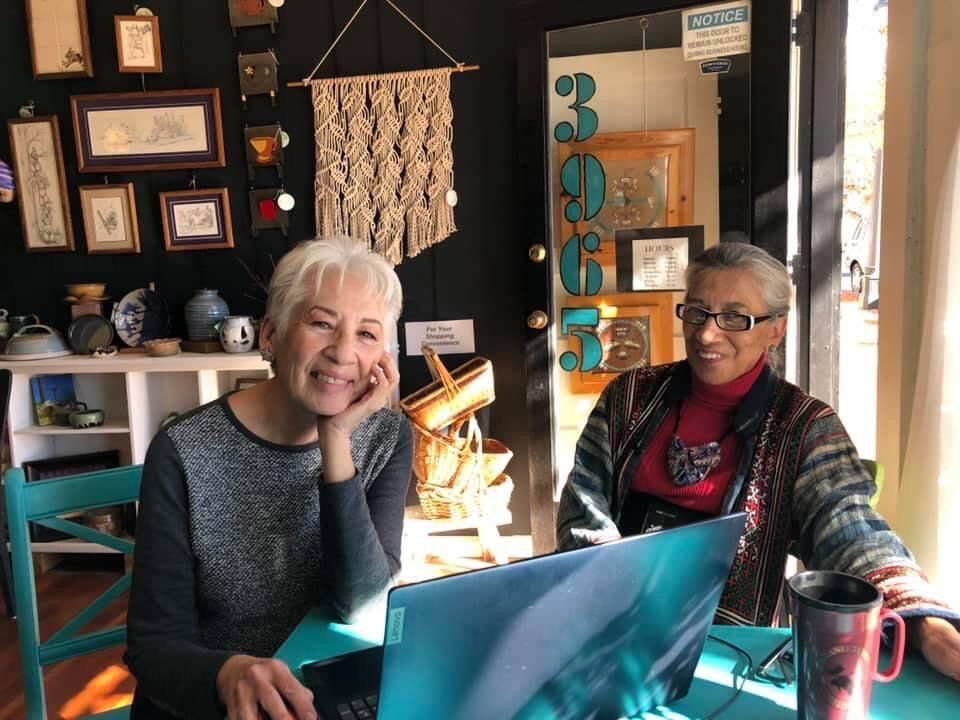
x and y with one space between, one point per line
719 356
332 342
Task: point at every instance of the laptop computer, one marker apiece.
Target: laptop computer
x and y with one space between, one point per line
601 632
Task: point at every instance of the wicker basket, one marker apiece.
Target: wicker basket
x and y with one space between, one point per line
452 396
460 477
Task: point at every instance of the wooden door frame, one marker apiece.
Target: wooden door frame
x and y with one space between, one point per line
768 163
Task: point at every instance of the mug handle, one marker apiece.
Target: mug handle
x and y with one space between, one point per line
36 318
899 642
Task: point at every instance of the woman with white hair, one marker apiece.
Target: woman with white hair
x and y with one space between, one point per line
271 499
719 432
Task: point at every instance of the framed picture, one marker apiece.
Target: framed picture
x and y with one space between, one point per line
38 168
196 219
138 43
161 130
646 180
635 330
110 218
656 258
59 41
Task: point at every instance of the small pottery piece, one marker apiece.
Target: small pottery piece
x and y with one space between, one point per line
203 311
85 418
161 347
237 334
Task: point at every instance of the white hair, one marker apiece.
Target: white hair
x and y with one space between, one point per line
770 273
300 273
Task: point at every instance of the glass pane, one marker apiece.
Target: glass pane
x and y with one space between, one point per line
653 148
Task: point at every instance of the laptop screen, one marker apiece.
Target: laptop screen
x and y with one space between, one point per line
607 631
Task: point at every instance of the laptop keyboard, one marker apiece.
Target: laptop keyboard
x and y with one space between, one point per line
359 709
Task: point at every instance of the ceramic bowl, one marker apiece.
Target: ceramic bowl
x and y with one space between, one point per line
162 347
85 418
86 290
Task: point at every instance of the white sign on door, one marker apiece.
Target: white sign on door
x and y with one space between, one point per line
447 337
716 30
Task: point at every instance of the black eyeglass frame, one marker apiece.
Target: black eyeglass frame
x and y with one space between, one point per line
752 320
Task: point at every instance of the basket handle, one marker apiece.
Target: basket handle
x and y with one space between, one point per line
438 371
471 482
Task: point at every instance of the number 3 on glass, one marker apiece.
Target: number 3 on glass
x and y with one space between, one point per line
590 350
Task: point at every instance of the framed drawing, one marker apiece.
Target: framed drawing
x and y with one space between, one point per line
59 40
160 130
110 218
648 181
656 258
635 330
38 169
138 43
196 219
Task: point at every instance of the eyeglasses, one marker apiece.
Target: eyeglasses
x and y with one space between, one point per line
733 321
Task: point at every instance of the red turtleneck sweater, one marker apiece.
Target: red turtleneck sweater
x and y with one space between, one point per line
704 416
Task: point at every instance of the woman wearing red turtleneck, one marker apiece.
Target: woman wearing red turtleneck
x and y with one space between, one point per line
719 433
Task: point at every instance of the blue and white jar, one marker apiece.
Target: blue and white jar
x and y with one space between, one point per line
204 312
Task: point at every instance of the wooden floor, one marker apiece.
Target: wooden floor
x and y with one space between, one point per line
101 681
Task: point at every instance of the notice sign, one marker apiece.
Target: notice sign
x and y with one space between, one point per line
716 30
447 337
660 264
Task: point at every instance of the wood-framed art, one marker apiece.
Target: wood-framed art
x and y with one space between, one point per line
656 258
196 219
110 219
138 43
648 182
59 39
635 330
159 130
37 159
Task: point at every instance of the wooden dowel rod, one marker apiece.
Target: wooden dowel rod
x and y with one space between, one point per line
305 83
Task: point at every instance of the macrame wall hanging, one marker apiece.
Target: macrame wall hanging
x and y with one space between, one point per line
384 155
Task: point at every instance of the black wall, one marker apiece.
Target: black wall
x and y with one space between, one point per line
476 273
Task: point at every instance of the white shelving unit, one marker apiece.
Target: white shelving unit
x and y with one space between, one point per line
135 391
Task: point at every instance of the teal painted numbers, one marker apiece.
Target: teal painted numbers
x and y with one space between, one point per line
582 178
587 120
590 349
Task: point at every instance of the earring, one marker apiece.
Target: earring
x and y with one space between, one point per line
267 355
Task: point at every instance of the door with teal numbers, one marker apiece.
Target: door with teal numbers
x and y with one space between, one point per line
648 131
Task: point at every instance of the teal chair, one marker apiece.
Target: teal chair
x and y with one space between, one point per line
876 472
41 502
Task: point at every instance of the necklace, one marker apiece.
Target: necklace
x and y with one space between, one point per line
690 465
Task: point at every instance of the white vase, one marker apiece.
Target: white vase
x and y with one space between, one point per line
237 334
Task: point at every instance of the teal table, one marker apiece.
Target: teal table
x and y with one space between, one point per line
919 692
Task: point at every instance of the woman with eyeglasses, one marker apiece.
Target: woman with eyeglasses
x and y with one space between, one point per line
720 432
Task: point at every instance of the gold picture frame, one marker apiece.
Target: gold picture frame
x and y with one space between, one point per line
59 39
652 313
110 219
37 160
138 43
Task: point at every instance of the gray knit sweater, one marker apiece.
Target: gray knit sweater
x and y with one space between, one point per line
237 537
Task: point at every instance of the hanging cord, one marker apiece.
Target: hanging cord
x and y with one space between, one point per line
644 24
458 66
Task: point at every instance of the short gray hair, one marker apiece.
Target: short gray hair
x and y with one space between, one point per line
301 271
770 273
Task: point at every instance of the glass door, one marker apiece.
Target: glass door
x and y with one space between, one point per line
651 150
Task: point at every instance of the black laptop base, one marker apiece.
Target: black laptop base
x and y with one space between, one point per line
345 687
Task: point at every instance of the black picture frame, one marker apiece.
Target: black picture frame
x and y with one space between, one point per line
50 468
625 242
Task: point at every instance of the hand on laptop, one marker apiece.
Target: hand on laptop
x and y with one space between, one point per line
253 687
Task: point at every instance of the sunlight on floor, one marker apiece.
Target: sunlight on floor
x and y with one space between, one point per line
98 695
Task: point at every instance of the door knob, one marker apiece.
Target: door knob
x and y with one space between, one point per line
537 320
537 253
